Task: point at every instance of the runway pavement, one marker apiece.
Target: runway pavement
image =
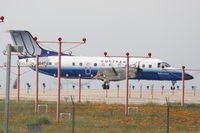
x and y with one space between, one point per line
108 96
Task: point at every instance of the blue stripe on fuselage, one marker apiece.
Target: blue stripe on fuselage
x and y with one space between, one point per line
146 74
159 74
70 71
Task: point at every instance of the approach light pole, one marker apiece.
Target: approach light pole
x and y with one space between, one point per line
127 83
37 80
18 82
183 86
127 56
162 87
59 42
118 91
9 49
183 83
59 76
79 88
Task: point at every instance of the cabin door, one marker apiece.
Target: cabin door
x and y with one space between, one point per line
88 68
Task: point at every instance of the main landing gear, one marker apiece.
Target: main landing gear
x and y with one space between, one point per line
106 86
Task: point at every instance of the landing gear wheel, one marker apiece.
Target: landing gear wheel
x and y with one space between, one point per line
172 87
105 86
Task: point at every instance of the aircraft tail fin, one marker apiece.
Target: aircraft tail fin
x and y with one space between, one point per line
31 47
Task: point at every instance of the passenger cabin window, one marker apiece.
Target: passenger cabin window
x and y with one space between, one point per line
150 66
95 64
143 65
73 64
80 64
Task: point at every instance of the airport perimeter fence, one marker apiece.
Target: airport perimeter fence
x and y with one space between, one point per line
101 118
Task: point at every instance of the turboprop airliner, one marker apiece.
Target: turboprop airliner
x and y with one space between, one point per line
102 68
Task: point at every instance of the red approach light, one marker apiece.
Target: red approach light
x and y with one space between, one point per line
127 54
183 67
2 18
35 38
163 67
59 39
149 54
105 53
84 40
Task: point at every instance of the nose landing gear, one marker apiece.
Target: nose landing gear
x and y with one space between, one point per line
173 85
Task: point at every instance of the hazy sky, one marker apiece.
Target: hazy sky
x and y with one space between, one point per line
170 29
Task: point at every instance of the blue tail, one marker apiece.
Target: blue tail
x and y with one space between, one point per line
31 47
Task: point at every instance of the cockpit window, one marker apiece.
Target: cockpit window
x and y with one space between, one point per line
166 64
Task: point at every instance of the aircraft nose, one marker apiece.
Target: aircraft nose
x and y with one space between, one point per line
189 77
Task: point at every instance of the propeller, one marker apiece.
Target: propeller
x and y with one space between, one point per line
138 68
116 74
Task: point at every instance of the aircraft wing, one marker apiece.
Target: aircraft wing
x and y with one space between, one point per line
116 74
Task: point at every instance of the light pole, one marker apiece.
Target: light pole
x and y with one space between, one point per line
147 87
59 81
133 87
79 88
36 86
118 90
9 49
194 89
18 82
162 89
183 86
127 56
73 86
127 82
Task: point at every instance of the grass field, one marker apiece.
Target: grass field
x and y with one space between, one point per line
102 118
